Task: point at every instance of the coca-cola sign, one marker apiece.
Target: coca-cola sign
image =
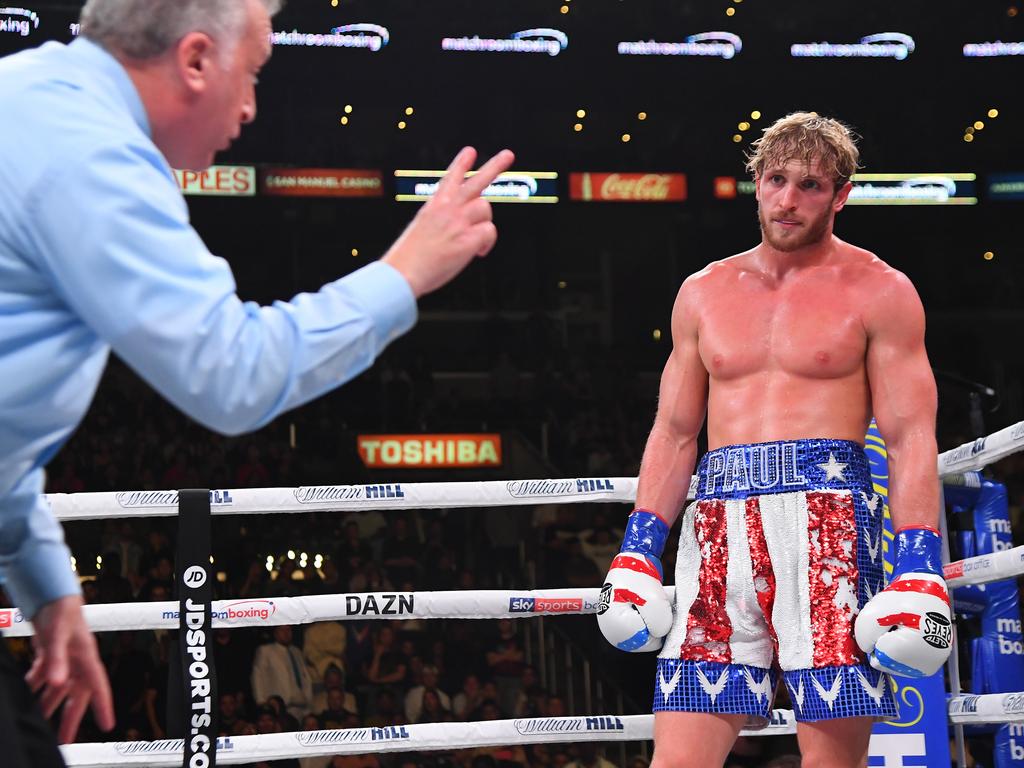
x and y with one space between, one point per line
628 187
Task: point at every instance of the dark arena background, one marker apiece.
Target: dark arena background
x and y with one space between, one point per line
629 119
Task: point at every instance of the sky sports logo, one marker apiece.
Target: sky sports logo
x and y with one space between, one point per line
547 605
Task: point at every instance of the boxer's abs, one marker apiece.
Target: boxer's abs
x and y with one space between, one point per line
776 405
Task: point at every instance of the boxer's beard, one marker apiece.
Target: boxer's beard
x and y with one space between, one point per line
810 232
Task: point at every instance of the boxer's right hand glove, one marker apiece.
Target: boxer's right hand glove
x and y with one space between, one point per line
634 613
906 628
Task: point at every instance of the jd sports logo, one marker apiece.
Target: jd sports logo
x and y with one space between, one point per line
605 599
937 630
195 577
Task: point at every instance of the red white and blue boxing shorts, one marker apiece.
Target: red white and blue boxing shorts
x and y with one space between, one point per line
779 552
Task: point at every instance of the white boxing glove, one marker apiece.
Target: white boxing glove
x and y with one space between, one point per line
634 613
906 628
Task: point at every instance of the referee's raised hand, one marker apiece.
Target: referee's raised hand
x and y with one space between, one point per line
451 228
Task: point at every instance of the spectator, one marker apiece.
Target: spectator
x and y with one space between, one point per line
467 699
340 705
589 757
505 662
414 698
231 721
323 645
432 709
279 669
386 710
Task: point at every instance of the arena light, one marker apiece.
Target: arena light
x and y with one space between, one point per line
355 251
348 109
979 125
626 138
755 115
737 138
401 125
581 113
344 120
641 116
562 284
988 255
993 113
409 110
657 334
578 127
730 11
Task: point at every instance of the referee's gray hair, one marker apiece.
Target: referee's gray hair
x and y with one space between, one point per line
144 29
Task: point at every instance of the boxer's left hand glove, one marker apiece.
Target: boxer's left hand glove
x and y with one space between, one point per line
905 629
634 613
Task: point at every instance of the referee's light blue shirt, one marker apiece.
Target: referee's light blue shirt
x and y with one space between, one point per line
97 253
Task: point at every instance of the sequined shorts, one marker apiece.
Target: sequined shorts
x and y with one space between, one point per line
779 552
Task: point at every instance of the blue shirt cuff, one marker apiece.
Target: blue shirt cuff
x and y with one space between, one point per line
40 574
393 305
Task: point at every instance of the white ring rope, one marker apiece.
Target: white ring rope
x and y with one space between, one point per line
979 453
491 493
970 709
425 736
982 569
460 604
336 498
465 604
266 612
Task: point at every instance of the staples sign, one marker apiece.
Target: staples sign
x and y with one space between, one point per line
628 187
224 180
430 451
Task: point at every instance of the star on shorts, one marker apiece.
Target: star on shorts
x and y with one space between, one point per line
833 469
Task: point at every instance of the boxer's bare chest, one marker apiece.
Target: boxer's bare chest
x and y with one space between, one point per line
808 327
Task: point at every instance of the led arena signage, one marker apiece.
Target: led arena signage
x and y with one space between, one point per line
371 37
988 50
222 180
884 45
540 40
723 45
628 187
913 189
1006 186
321 182
430 451
18 21
509 187
882 188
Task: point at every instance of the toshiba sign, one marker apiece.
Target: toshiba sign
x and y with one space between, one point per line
430 451
628 187
227 180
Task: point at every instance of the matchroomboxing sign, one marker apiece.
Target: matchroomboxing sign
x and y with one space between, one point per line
430 451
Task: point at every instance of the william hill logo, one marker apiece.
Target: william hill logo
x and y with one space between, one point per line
166 498
537 488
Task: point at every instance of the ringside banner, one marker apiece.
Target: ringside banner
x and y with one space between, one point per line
628 187
509 187
220 180
321 182
430 451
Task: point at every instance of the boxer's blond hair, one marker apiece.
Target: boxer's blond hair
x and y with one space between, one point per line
806 137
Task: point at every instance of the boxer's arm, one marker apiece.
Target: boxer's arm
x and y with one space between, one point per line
904 401
671 450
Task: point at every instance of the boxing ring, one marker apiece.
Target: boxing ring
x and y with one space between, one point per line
955 467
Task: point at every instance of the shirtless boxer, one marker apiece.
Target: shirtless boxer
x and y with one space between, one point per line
789 349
